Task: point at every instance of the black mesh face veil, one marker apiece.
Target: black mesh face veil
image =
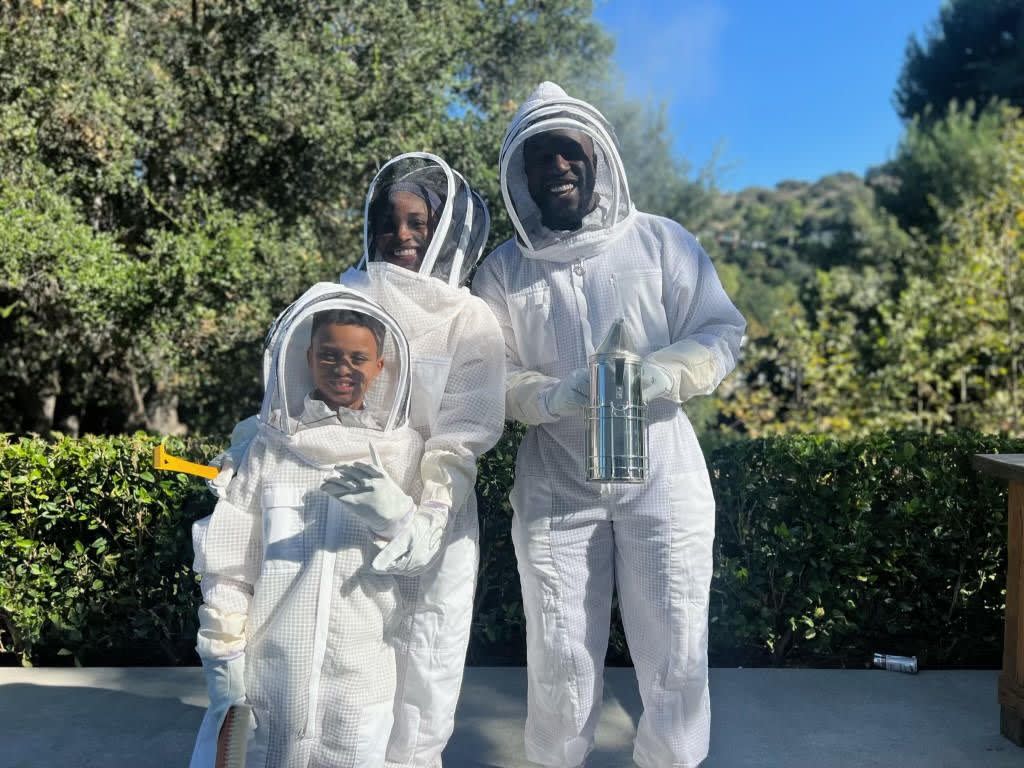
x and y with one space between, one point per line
423 216
478 232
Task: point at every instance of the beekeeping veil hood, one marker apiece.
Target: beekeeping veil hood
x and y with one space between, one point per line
457 217
549 108
308 426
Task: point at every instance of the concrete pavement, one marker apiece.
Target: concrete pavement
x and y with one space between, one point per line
763 718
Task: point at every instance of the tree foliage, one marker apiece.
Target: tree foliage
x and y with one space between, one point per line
974 52
209 160
969 314
940 164
66 293
779 238
906 308
933 346
173 174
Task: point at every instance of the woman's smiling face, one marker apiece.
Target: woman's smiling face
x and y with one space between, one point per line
403 230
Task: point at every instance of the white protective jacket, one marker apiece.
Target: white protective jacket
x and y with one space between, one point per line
556 294
457 405
286 576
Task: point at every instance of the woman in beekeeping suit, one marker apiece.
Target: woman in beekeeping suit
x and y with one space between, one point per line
295 621
424 231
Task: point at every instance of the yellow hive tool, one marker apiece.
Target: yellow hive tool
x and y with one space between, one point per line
163 460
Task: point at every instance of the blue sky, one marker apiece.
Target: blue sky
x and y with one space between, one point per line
791 89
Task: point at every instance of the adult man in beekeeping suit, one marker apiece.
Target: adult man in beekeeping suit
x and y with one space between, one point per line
582 257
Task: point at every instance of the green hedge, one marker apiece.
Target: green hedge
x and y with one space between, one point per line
826 550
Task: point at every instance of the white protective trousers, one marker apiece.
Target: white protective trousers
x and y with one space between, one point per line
573 538
457 406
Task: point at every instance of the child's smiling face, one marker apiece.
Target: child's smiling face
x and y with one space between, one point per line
344 360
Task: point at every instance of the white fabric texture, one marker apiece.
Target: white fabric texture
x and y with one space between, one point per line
572 538
457 406
228 461
319 669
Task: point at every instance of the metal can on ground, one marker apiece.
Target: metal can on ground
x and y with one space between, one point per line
892 663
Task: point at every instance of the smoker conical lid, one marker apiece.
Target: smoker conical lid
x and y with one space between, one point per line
618 341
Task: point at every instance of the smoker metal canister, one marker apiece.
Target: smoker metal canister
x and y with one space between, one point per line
617 414
892 663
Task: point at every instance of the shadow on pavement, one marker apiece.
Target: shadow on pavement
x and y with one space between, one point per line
46 726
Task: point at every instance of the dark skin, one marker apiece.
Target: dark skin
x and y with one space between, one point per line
560 172
344 361
403 231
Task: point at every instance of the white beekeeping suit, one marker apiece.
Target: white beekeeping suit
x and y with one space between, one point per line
294 620
556 292
425 230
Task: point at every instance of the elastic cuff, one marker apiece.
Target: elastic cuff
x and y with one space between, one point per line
391 530
221 636
542 404
435 509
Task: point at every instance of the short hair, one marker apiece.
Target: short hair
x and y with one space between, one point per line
350 317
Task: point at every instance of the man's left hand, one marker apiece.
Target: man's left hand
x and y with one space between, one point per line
656 381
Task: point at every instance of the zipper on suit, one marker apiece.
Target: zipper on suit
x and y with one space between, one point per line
576 280
325 595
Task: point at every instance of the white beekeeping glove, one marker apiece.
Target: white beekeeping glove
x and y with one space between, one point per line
416 544
570 395
369 493
656 381
692 366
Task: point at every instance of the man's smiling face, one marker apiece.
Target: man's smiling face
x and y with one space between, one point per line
560 167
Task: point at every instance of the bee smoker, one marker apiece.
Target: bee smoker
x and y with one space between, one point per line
617 414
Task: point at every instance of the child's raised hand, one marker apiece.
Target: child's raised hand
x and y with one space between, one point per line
370 494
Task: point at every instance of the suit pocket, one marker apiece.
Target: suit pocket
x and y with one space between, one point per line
530 313
429 379
283 527
640 303
374 729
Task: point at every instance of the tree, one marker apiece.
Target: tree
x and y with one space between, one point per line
215 156
968 316
65 298
779 238
974 52
930 348
814 369
940 164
